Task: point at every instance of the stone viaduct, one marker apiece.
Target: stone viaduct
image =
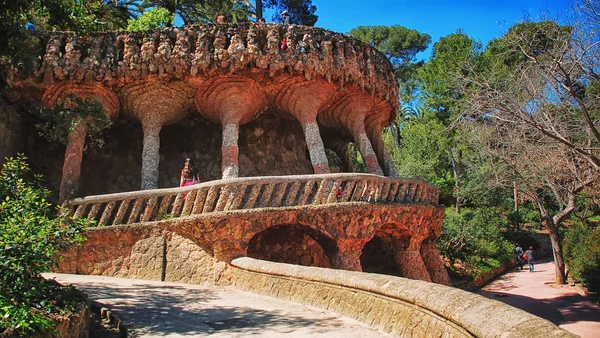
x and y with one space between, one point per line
340 91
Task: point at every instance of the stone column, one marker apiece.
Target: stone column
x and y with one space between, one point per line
348 254
230 151
71 172
318 158
433 262
150 155
409 260
384 157
357 129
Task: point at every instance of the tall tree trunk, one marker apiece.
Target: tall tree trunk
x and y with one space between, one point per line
259 9
516 217
557 252
456 171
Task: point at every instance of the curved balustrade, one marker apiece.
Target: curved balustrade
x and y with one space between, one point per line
250 193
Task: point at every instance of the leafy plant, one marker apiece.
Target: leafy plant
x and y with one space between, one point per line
474 239
31 236
582 254
57 123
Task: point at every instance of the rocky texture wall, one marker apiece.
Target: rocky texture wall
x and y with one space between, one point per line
10 129
399 306
151 253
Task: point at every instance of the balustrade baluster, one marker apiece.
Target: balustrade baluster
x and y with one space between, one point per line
165 203
254 192
332 196
149 209
135 212
359 190
121 212
265 197
176 210
107 213
391 197
292 194
94 211
211 197
278 194
223 198
378 190
385 190
324 189
399 194
406 197
308 188
189 202
80 211
199 201
237 197
417 194
348 189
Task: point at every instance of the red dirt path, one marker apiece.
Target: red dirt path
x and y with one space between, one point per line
535 293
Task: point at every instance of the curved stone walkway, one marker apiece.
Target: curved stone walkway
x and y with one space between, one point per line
535 293
162 309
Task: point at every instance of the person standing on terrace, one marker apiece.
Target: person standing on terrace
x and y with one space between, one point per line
189 175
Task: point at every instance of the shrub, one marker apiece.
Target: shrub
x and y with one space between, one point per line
474 239
31 236
582 254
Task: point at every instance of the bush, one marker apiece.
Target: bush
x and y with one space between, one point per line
474 239
30 239
582 254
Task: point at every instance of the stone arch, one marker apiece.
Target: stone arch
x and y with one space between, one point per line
294 244
378 254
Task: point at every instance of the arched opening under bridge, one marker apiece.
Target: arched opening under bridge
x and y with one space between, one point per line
293 244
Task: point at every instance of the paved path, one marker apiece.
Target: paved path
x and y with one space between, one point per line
161 309
535 292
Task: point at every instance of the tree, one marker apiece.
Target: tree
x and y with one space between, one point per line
400 45
233 10
186 9
533 90
31 237
302 12
151 19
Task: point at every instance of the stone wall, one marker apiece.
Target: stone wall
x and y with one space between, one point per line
10 129
399 306
152 253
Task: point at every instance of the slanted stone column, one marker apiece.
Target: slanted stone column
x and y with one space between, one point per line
349 110
155 104
435 266
303 100
348 254
231 101
374 128
71 172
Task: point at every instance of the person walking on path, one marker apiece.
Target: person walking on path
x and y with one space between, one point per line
518 252
529 257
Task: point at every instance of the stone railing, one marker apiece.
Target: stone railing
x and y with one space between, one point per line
250 193
112 58
399 306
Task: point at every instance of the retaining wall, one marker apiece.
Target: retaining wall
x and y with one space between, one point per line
399 306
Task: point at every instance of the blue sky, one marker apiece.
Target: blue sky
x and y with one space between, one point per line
481 19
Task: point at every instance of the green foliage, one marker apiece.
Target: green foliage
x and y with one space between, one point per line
400 45
474 238
582 254
151 19
57 123
423 152
233 10
31 236
302 12
357 161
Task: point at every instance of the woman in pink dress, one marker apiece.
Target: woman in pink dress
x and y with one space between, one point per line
189 176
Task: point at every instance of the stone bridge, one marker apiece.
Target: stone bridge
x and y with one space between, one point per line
344 221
